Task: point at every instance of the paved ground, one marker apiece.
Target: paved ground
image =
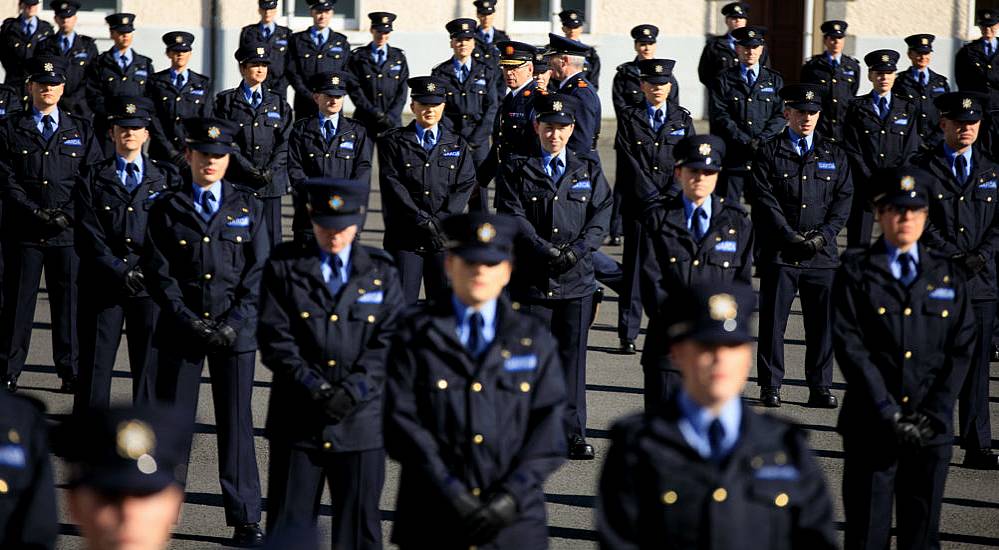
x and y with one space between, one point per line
971 504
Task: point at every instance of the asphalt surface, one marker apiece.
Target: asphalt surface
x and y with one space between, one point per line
971 502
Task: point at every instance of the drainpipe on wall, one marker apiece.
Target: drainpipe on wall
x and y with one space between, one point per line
214 43
809 25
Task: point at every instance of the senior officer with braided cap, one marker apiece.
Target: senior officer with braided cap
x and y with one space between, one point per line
567 67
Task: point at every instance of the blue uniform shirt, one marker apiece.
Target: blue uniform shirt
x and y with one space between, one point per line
215 188
316 33
688 214
695 421
334 118
755 69
248 92
118 56
894 265
546 160
795 138
326 266
436 130
461 317
457 65
952 156
37 115
119 167
650 110
875 99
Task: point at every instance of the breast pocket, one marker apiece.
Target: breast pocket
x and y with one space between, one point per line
233 239
347 146
985 191
769 510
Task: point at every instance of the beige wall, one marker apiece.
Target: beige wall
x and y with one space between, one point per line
677 18
894 18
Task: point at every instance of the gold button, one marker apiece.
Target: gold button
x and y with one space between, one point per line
304 315
371 318
719 495
239 239
672 260
331 363
907 311
476 491
780 458
476 387
442 384
327 445
478 439
334 318
3 487
781 500
697 262
725 264
669 497
908 355
525 387
945 314
182 242
206 315
505 354
206 239
905 399
881 311
130 209
526 342
757 462
208 276
361 291
13 436
377 282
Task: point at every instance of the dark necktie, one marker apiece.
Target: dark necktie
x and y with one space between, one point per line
336 281
658 120
124 63
48 127
883 107
206 204
65 44
835 63
320 40
428 140
381 57
255 99
922 78
555 164
908 271
330 131
179 83
715 436
988 47
26 28
266 33
961 170
802 146
750 78
131 177
463 74
475 323
696 225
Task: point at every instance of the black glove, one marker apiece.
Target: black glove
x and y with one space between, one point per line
384 121
922 423
435 233
814 241
223 336
907 433
202 329
337 405
265 176
486 522
180 161
135 281
565 261
465 504
794 241
970 261
754 143
43 216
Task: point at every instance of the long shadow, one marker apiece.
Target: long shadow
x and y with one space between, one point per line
614 389
47 369
970 503
571 533
579 501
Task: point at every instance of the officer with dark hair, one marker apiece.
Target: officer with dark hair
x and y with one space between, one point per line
79 50
378 78
276 39
568 70
318 49
487 36
838 77
904 330
21 37
572 29
976 66
922 85
627 91
473 405
327 309
705 470
719 52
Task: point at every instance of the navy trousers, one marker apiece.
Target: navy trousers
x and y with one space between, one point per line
973 400
425 267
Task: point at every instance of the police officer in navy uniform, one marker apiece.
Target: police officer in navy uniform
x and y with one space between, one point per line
837 74
563 204
28 509
881 132
542 71
627 90
719 51
745 110
426 173
706 470
177 93
694 237
471 98
572 28
112 205
513 132
646 136
378 78
904 332
567 68
474 403
206 245
260 160
276 38
487 39
318 49
803 190
45 150
976 67
80 51
330 145
327 310
21 37
120 71
964 224
922 85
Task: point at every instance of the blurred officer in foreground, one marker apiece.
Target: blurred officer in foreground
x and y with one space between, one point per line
627 91
378 78
260 160
112 205
707 471
719 51
838 77
275 38
567 69
572 29
745 109
21 36
426 173
922 85
646 136
45 149
318 49
327 145
206 245
695 238
976 67
126 483
964 224
471 103
178 94
562 203
326 315
80 51
881 132
28 511
474 402
802 192
904 331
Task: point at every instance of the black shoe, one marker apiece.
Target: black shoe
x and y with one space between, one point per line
68 385
822 398
770 397
10 383
598 298
627 347
994 358
981 459
579 449
248 536
616 240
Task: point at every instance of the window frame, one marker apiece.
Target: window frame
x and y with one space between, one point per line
339 22
543 27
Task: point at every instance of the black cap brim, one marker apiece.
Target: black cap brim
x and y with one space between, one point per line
125 482
556 118
337 222
922 49
211 148
256 61
718 337
335 92
908 201
750 43
382 28
834 34
463 34
179 48
48 79
963 116
657 79
123 28
429 99
490 255
804 105
645 40
701 165
131 122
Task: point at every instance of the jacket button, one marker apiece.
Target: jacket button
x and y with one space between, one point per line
371 318
945 314
208 276
182 242
905 399
128 239
725 264
239 239
781 500
442 384
669 497
478 439
719 495
672 260
525 387
304 315
206 239
476 491
331 363
4 487
377 282
334 318
881 311
908 355
327 445
476 387
907 311
206 315
130 209
697 263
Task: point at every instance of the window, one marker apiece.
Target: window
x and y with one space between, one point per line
540 16
110 6
345 10
531 10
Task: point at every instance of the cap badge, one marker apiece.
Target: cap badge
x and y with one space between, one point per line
63 6
723 308
335 80
809 95
260 51
573 16
885 58
124 20
966 103
485 232
539 57
385 19
705 149
751 34
214 132
557 106
130 108
178 39
336 202
431 87
464 26
508 50
134 439
659 68
836 27
988 15
908 183
924 41
737 9
647 32
48 67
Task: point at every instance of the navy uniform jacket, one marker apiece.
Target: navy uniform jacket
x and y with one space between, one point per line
16 49
309 337
976 72
627 88
573 212
11 100
900 349
172 107
490 55
657 492
795 195
39 175
80 55
278 44
872 143
305 59
417 185
111 225
106 79
965 218
584 137
740 115
591 68
645 158
716 57
28 507
471 105
459 424
840 83
374 89
513 131
907 86
262 141
209 270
